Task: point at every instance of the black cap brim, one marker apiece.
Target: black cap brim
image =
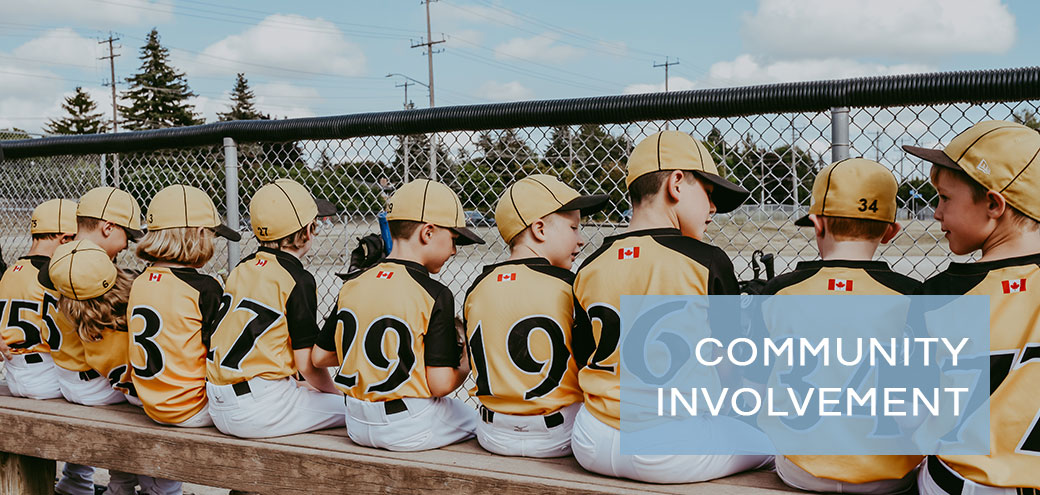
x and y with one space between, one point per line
133 234
227 233
466 237
937 157
727 196
586 204
804 222
325 207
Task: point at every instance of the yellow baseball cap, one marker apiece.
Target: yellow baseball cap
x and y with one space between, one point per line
112 205
283 207
427 201
179 206
536 196
82 270
996 154
853 188
675 150
57 216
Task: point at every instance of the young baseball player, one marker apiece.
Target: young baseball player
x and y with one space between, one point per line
519 315
987 182
675 188
31 310
267 323
108 217
94 296
393 331
172 306
853 211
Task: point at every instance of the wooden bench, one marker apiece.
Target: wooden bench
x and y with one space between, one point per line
35 433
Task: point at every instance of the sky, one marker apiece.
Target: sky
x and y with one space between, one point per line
318 57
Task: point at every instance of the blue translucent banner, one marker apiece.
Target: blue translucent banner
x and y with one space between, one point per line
825 375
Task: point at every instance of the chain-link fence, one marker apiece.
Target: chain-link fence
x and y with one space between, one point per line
772 140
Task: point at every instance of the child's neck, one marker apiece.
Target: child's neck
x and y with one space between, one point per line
167 264
831 250
652 216
1010 243
405 250
523 252
44 248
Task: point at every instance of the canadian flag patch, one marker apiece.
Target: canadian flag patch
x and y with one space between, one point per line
17 268
839 284
503 277
628 253
154 277
1011 286
384 275
261 262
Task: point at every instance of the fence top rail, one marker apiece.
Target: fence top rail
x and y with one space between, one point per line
886 91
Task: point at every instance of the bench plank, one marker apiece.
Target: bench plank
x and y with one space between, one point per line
24 475
123 438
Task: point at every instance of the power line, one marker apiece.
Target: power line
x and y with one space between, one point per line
112 67
428 44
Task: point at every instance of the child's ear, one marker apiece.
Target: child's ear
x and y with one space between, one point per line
996 205
538 230
675 182
106 229
890 232
67 238
426 233
818 225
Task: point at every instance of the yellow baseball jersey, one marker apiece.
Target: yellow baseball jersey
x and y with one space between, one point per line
646 262
391 321
109 357
69 354
842 277
170 311
28 311
519 315
268 310
1013 287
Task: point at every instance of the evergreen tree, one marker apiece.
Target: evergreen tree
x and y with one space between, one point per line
417 154
242 107
82 117
1027 118
158 93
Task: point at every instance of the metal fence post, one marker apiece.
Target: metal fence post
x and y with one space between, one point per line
839 133
231 197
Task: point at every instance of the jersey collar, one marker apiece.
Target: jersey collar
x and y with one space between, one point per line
985 266
409 264
865 265
642 233
523 261
282 256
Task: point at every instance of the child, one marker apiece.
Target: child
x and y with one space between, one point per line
988 201
393 332
172 306
528 400
674 188
94 294
266 327
853 210
33 330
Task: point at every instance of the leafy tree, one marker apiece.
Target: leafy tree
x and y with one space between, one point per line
925 194
158 93
1027 118
505 153
242 102
82 118
13 134
417 153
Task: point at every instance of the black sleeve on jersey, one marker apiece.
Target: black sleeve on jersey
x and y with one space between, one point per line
554 271
781 282
327 336
721 278
301 308
895 281
45 275
582 342
441 342
210 293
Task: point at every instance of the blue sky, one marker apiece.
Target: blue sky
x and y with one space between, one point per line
314 57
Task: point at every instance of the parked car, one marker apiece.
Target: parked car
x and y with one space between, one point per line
478 219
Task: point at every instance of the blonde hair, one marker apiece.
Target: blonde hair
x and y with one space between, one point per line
191 246
294 241
106 311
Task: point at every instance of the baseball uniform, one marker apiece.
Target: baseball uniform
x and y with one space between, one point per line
32 329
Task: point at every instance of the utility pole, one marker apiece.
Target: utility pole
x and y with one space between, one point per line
666 64
874 142
115 107
404 139
794 164
428 44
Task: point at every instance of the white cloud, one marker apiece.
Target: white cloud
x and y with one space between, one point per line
510 91
747 70
902 28
286 100
58 46
289 42
541 48
674 84
98 15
